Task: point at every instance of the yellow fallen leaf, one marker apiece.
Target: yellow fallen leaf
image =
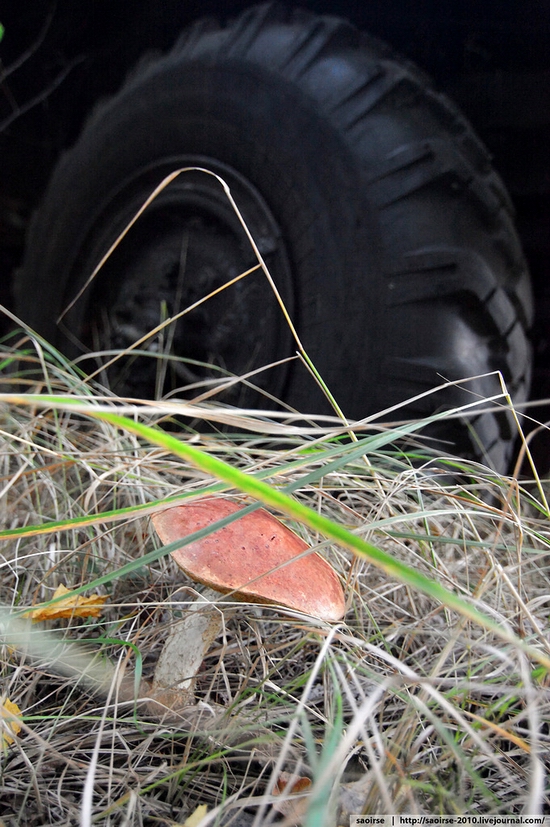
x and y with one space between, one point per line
9 712
196 816
72 606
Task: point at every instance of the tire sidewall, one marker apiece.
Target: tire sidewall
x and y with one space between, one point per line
271 134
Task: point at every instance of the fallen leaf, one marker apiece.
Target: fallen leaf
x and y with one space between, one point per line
9 713
72 606
196 816
293 808
298 785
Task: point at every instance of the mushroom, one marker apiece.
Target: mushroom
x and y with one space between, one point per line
255 558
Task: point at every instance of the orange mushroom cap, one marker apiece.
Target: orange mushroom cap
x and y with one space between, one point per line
241 556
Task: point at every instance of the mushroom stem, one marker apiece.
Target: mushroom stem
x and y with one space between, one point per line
187 643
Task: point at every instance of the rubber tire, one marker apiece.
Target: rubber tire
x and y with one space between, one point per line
406 264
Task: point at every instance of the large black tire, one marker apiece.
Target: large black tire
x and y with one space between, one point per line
386 229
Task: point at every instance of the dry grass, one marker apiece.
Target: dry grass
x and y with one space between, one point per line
403 707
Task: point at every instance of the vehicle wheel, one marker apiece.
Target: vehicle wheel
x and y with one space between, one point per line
386 229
